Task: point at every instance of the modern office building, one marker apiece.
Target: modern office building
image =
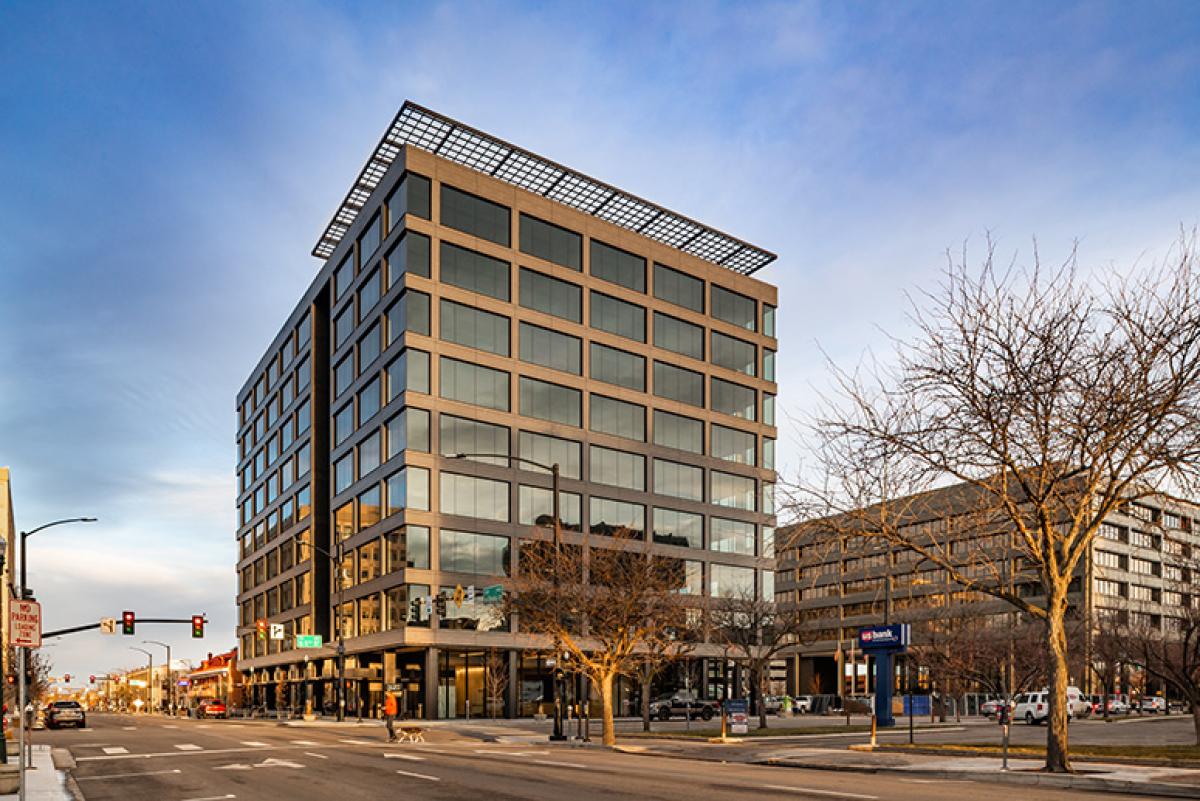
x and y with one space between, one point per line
475 298
1135 573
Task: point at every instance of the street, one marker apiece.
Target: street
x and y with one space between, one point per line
126 758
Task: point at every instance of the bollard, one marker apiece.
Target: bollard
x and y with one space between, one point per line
872 730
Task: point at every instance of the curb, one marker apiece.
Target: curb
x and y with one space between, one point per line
1145 762
1094 783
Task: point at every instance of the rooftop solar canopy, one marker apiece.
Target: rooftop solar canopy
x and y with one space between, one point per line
418 126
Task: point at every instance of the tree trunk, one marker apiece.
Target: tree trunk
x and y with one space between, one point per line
645 677
1196 718
1057 755
762 696
606 706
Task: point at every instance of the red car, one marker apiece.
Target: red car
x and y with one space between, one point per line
212 708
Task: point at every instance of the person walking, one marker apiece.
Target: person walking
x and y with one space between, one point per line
389 715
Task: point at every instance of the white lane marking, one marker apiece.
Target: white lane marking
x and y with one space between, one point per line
115 749
125 775
308 743
129 728
234 766
212 797
87 728
815 791
254 743
528 753
279 763
188 747
357 742
557 764
170 726
424 747
318 756
419 776
404 756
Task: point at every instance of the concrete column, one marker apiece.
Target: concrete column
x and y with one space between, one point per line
513 693
431 682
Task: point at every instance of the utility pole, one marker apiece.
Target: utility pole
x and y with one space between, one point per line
170 679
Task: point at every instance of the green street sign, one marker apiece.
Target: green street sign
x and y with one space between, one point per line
493 593
309 641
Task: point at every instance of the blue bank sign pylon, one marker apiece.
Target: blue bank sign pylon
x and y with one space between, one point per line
884 642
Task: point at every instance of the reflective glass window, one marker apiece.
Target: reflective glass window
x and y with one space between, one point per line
734 354
617 417
368 401
729 581
552 402
408 372
536 505
473 383
678 336
616 468
551 295
617 266
369 453
733 445
465 552
410 197
768 320
474 328
679 288
551 349
613 366
471 496
768 364
343 473
408 488
475 216
368 348
676 383
676 431
618 317
474 271
733 399
343 277
410 312
605 516
368 240
736 492
343 423
551 242
731 536
368 293
678 480
548 450
410 254
734 308
460 435
678 528
408 430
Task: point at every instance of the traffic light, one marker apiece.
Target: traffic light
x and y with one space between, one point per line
91 679
197 626
261 626
440 604
128 619
414 610
66 678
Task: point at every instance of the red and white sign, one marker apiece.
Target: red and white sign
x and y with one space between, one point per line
25 624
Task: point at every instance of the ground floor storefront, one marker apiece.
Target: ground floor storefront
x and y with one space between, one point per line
438 683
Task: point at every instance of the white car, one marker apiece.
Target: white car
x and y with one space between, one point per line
1154 704
1034 708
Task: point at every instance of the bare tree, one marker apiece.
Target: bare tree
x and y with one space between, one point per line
755 631
652 661
1109 652
1051 399
495 680
38 672
604 604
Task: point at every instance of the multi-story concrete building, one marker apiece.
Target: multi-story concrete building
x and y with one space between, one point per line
1134 573
475 298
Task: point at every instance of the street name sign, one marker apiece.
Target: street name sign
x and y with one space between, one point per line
309 641
25 624
493 593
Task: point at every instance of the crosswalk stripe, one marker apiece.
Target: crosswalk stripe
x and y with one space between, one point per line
419 776
188 747
115 749
309 743
255 743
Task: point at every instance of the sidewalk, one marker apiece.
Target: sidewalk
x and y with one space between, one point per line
1095 776
44 783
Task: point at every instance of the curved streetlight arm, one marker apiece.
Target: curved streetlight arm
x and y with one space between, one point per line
59 523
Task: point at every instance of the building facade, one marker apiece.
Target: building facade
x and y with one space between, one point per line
481 311
1136 573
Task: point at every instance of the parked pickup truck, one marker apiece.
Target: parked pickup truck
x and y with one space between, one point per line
682 702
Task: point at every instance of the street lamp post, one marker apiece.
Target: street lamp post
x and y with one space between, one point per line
24 656
149 678
336 564
554 477
170 680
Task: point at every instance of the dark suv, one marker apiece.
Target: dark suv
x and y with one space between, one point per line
65 713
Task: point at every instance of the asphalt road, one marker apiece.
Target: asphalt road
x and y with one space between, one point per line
123 758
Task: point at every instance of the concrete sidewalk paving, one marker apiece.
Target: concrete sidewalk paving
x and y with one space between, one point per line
44 782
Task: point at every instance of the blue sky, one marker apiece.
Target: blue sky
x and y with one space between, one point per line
165 169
